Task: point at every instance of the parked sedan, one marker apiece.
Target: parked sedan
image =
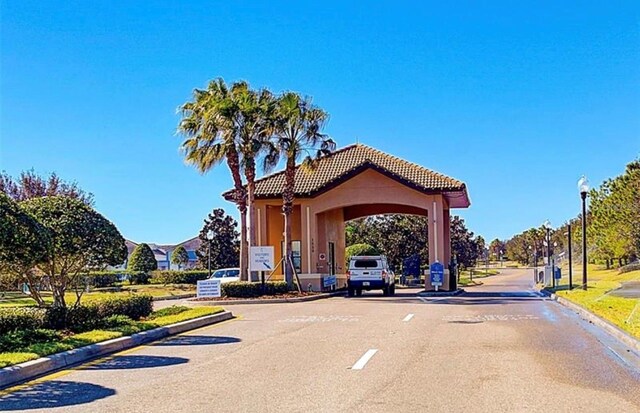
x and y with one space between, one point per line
227 275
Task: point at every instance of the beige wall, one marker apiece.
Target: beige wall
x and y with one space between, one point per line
320 220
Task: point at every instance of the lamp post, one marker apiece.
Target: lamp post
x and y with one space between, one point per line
583 187
547 242
568 234
210 239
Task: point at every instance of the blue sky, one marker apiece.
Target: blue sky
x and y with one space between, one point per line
516 100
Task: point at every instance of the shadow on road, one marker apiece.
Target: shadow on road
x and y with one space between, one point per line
197 341
53 394
136 362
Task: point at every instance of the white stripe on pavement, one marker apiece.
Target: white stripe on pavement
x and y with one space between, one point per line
364 359
408 317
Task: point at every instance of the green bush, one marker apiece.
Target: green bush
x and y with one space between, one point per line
359 249
15 340
95 314
178 277
173 310
245 289
138 277
102 279
21 318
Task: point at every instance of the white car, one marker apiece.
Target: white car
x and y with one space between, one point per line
370 273
226 275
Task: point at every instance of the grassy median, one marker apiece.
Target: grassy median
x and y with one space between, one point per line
20 346
598 298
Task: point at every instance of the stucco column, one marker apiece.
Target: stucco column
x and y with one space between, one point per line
438 223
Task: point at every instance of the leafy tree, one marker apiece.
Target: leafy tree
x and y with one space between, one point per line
224 246
24 242
30 185
179 256
231 125
142 259
497 248
463 245
359 249
297 131
81 239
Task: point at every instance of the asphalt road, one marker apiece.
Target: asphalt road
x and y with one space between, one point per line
499 348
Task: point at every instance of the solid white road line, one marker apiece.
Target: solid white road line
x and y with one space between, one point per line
364 359
408 317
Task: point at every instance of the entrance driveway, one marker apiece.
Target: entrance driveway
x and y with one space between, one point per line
499 348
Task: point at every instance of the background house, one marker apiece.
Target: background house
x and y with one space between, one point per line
163 253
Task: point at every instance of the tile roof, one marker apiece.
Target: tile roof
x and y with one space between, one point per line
351 160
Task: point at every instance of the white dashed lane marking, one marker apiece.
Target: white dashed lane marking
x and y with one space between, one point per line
364 359
408 317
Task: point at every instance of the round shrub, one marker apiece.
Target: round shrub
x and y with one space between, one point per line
359 249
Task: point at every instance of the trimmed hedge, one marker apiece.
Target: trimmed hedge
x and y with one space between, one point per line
102 279
178 277
95 314
21 318
245 289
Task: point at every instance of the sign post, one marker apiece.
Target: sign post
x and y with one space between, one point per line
261 259
436 274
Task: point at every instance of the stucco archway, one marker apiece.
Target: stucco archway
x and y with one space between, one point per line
352 182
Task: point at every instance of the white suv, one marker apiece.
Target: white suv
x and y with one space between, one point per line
370 272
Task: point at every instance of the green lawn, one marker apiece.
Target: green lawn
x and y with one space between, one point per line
27 346
623 312
18 299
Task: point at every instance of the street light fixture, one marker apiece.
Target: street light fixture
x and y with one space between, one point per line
583 187
210 239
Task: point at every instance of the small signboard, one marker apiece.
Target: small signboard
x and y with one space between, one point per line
436 274
557 273
261 259
328 281
209 288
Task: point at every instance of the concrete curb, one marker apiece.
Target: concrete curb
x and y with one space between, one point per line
441 293
609 327
34 368
269 301
173 297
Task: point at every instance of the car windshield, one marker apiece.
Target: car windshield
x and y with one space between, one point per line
366 264
218 274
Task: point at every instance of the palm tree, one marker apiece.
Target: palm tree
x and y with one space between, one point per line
210 126
297 126
257 110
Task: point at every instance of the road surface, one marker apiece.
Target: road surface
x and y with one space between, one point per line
499 348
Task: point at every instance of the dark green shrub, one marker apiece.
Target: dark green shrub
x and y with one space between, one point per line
276 287
17 339
94 314
359 249
173 310
137 277
142 259
178 277
102 279
245 289
28 318
116 321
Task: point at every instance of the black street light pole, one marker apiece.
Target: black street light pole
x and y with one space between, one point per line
570 264
547 227
583 186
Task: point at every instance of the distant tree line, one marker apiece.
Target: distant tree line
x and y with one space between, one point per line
613 226
401 236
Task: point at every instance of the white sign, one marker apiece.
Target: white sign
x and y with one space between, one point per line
209 288
261 259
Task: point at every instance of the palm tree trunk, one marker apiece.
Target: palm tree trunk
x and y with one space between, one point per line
287 209
233 162
250 174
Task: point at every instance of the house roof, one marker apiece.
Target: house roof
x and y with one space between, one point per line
351 160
